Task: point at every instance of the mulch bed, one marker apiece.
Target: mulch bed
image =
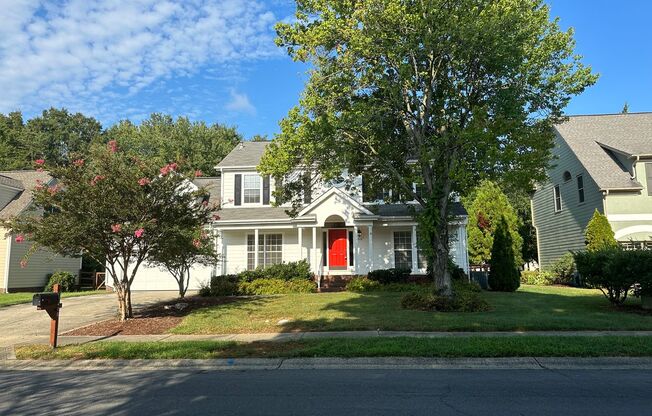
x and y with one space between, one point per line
153 320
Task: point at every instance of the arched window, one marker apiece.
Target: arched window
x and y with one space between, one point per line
567 176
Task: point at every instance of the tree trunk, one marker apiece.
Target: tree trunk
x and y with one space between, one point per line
122 304
440 270
130 311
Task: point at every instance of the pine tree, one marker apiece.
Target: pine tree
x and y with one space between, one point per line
599 234
625 109
503 275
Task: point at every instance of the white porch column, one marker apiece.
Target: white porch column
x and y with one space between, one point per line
370 249
355 249
256 248
300 241
315 265
415 264
220 248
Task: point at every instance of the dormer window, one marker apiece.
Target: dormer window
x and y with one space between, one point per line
251 189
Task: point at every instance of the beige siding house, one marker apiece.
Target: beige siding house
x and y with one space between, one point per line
15 199
602 162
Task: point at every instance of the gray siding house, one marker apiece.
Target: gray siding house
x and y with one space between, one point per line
601 162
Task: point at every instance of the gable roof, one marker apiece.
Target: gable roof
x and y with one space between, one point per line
334 190
244 154
593 137
212 184
10 182
27 180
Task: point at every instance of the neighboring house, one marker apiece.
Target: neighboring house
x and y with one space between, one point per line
603 162
339 232
15 199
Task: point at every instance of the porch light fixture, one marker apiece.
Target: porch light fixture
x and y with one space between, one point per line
359 234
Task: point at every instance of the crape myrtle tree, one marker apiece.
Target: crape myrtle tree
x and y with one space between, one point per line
114 207
183 248
438 93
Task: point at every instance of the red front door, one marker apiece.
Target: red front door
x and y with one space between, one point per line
337 248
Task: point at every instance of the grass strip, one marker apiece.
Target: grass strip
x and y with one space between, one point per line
8 299
518 346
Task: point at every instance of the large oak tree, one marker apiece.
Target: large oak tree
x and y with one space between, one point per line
434 92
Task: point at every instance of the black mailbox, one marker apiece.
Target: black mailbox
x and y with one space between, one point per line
46 300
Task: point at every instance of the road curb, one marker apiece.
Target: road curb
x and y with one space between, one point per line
387 363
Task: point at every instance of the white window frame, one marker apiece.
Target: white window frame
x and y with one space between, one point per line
263 251
408 250
245 188
556 194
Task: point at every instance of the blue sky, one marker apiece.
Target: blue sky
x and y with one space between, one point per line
215 60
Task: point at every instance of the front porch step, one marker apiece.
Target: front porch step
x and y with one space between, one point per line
334 283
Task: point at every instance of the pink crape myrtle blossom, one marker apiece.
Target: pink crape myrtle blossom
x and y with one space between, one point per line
40 162
53 190
39 169
113 146
143 181
116 228
198 173
78 162
139 232
196 242
23 263
20 238
170 167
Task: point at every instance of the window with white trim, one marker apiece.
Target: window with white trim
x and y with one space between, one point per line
403 249
270 250
580 188
251 189
557 196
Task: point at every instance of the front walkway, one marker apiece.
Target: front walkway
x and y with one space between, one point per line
23 323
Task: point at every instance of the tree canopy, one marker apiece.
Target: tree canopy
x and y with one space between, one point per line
441 93
114 207
163 139
487 208
599 234
55 135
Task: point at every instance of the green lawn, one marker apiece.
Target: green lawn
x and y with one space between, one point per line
530 308
7 299
526 346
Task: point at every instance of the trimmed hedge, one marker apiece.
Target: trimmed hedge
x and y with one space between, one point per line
293 277
66 280
361 284
282 271
385 276
564 269
614 271
539 278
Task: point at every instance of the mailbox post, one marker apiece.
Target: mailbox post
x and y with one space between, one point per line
51 303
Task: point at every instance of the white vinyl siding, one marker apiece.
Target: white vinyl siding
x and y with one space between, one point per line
648 177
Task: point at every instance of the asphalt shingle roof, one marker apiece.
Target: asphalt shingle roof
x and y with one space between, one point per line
28 179
212 184
402 210
591 137
244 154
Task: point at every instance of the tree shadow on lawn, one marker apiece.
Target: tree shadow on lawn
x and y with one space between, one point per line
526 310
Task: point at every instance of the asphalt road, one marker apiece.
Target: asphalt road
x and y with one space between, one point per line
326 392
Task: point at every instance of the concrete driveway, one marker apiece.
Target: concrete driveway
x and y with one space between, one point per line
19 323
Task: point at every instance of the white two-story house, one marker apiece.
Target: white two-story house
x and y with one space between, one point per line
339 232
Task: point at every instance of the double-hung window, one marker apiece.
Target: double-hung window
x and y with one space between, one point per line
403 249
580 189
557 195
270 250
251 189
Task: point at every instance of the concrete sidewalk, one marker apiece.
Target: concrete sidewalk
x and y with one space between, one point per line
391 363
294 336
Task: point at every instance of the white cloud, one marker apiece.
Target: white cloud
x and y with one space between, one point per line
87 54
240 103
